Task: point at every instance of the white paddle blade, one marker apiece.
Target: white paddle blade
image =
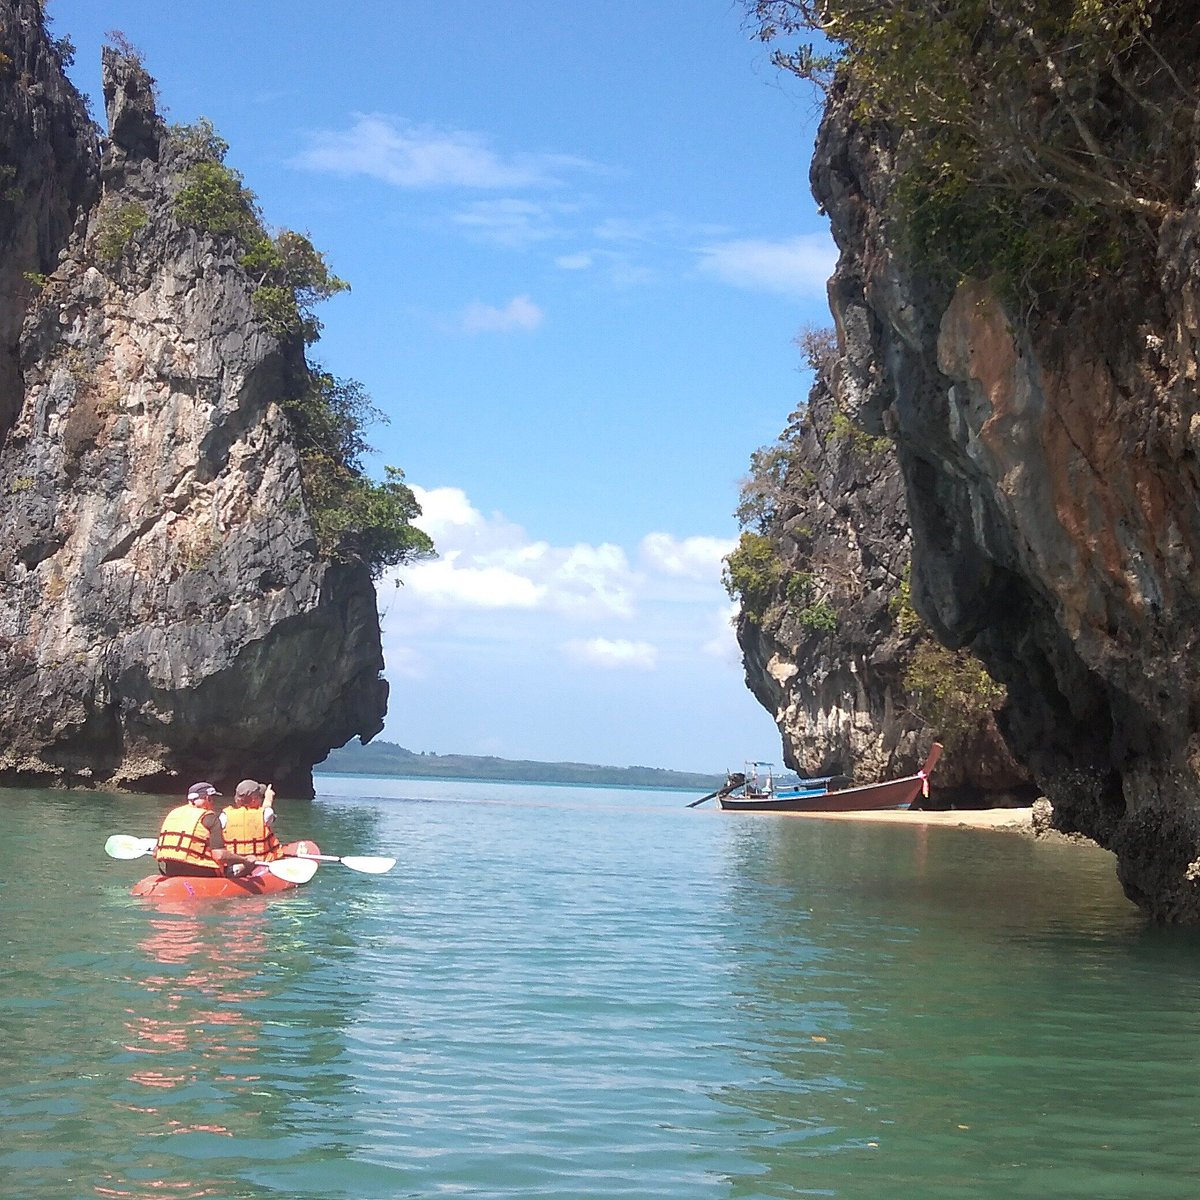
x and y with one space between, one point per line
294 870
370 866
124 845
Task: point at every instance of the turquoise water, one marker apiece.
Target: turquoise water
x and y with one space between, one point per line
587 992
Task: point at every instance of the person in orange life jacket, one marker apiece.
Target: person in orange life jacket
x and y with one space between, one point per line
247 824
191 842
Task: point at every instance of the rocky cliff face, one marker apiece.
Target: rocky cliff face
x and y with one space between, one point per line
1051 470
829 651
164 611
48 174
839 528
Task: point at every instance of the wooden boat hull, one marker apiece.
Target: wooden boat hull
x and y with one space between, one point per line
259 882
893 793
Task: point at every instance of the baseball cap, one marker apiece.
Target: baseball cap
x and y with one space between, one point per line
250 787
199 790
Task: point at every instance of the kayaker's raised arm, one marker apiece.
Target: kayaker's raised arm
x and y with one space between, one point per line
249 826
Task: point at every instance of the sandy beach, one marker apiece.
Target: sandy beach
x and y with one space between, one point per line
1027 822
1019 820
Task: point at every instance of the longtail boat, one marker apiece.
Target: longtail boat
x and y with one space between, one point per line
756 791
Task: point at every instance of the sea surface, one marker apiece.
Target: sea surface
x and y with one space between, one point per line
580 993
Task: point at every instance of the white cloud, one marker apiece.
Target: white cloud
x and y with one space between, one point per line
615 266
795 266
722 643
611 654
408 155
519 315
510 222
443 509
511 636
589 576
574 262
489 562
690 558
445 582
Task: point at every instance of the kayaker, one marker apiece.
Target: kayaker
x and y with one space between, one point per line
247 824
191 842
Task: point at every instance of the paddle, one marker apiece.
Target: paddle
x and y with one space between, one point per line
364 863
124 845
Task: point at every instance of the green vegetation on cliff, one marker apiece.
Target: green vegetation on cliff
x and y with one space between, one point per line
786 581
290 275
950 690
1007 162
354 517
116 227
753 572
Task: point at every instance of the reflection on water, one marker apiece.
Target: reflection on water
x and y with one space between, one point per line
201 1055
204 1014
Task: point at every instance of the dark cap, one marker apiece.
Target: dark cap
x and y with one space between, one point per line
198 791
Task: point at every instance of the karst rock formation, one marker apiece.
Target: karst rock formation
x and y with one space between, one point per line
164 612
1049 452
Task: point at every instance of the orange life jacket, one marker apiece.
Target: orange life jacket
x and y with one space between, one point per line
246 833
183 838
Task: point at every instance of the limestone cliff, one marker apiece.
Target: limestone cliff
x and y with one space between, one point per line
48 174
828 646
164 610
1050 442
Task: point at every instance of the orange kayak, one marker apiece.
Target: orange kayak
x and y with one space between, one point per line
259 882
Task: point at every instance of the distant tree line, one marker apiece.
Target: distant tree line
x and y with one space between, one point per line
389 759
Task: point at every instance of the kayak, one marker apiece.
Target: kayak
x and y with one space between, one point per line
259 882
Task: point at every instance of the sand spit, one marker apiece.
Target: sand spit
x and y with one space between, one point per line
1029 822
1019 820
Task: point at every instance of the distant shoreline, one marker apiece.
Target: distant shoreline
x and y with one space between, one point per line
321 772
387 760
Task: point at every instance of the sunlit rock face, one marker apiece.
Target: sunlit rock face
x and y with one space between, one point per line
838 695
1052 483
164 613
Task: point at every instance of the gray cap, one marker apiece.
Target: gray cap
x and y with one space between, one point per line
250 787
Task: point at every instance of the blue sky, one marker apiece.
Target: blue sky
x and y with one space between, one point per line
580 243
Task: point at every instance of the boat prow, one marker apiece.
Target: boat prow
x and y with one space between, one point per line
259 882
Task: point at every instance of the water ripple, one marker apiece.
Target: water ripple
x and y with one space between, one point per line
604 996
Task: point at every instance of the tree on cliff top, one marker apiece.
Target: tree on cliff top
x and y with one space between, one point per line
1033 132
354 517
